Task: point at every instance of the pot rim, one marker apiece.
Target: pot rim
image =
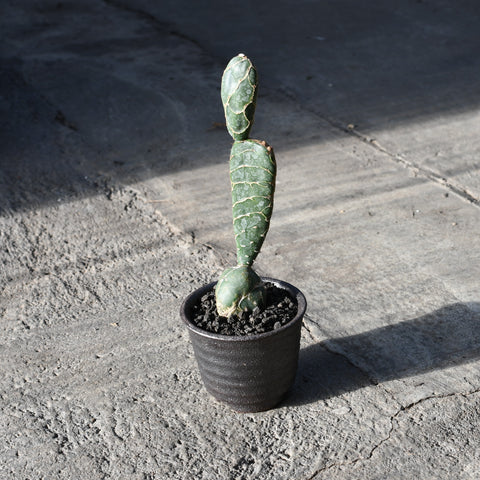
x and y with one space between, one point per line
294 291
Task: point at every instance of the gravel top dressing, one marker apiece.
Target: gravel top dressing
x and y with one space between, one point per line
280 309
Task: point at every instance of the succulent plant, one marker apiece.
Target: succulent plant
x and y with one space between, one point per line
252 176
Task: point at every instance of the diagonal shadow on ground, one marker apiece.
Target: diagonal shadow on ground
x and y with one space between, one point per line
447 337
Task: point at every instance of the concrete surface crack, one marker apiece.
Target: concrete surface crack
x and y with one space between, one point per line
417 170
137 198
393 422
439 396
370 379
305 326
359 459
140 13
62 120
153 20
333 351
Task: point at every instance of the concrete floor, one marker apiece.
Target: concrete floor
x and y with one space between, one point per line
115 204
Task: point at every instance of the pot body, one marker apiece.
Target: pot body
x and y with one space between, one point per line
249 373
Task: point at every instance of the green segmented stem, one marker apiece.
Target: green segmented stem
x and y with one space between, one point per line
239 93
252 175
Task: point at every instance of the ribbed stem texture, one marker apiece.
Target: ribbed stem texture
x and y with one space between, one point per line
252 174
239 92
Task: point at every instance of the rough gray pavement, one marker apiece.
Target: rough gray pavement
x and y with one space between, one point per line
114 202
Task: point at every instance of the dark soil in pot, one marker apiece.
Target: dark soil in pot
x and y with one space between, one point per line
279 310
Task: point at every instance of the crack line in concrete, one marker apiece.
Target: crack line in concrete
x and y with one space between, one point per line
340 354
333 351
415 168
418 170
152 19
393 419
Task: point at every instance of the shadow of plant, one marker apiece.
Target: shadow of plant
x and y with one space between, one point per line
447 337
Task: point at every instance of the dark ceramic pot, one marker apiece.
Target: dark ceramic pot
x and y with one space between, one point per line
249 373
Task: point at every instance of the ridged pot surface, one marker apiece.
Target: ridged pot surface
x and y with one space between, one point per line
250 373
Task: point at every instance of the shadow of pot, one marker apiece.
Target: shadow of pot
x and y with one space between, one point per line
249 373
